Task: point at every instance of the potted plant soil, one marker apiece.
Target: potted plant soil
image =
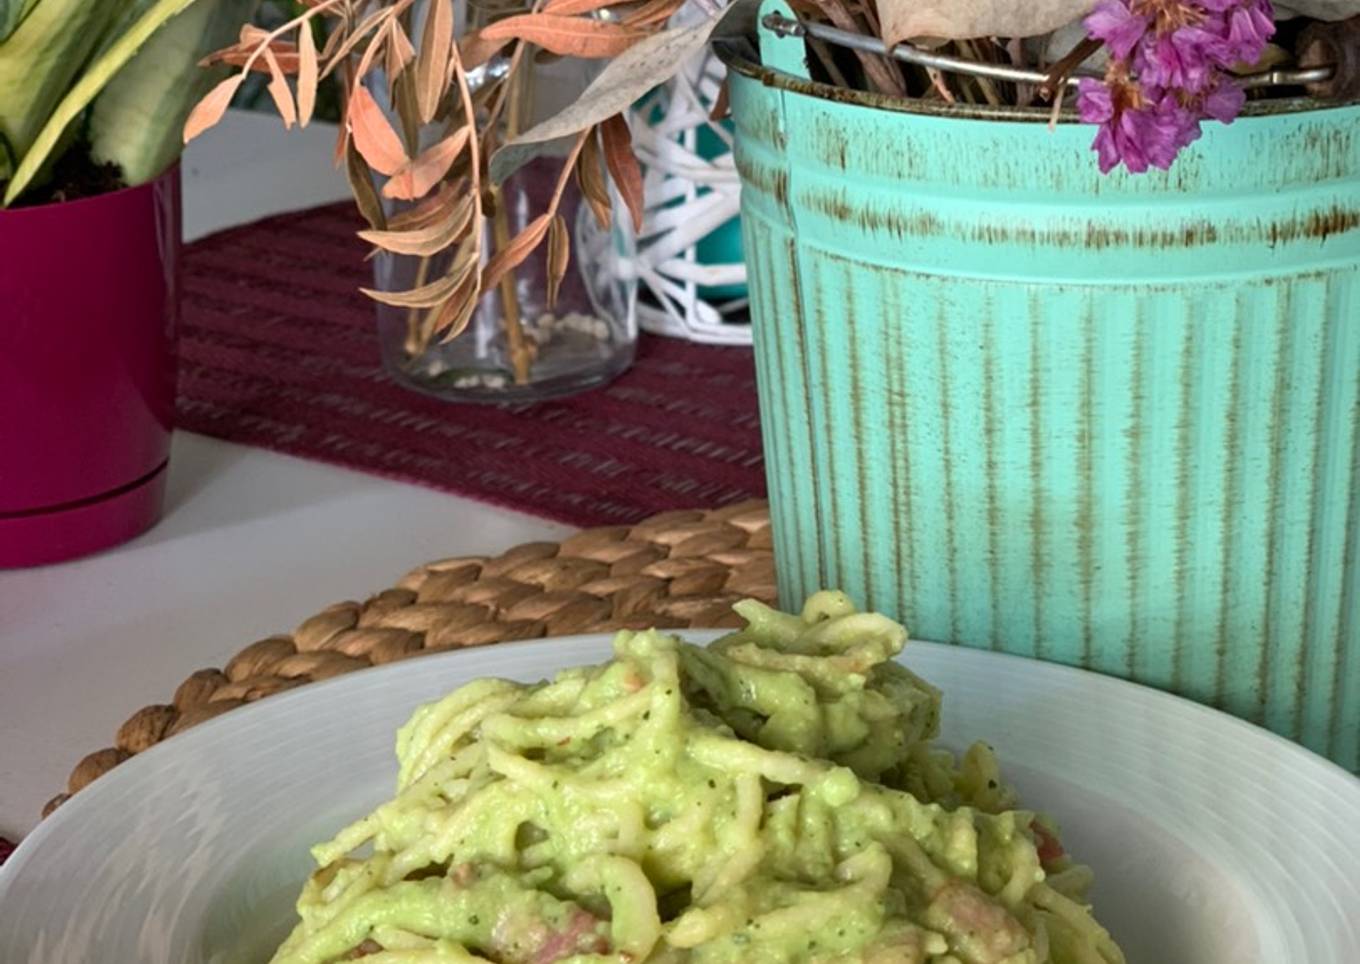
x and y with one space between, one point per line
1055 304
93 95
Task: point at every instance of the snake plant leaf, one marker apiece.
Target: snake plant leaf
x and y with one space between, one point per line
39 61
91 82
12 13
124 16
136 121
622 81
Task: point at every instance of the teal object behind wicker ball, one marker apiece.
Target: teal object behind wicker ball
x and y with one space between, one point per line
722 245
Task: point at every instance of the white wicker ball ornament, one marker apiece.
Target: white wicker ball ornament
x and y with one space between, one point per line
692 281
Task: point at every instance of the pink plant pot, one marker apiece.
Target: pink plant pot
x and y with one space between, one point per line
89 306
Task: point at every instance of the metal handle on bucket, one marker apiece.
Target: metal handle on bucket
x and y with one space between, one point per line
775 24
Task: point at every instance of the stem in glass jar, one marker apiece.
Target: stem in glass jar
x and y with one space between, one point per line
514 331
415 317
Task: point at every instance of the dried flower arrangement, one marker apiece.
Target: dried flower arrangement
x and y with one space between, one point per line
254 93
450 178
1146 72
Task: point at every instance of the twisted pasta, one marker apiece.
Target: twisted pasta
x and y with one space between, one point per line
775 798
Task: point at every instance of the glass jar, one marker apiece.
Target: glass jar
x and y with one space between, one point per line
518 347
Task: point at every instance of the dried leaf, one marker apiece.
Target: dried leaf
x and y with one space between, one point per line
428 210
722 107
490 139
453 318
428 240
237 56
408 111
559 255
475 49
569 36
1323 9
461 274
397 49
342 138
417 178
341 145
436 44
617 142
210 109
375 47
869 11
339 33
373 135
513 254
621 82
454 314
466 260
308 69
361 186
567 8
426 296
965 19
883 75
590 178
280 92
369 24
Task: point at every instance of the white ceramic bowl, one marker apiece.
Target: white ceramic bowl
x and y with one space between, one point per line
1213 841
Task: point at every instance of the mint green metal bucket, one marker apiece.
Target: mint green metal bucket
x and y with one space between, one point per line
1109 421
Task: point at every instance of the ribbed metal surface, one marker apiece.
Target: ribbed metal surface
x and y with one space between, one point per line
1111 422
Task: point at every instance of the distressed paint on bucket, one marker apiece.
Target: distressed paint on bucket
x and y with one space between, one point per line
1109 421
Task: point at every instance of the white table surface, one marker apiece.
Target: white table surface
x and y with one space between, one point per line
251 543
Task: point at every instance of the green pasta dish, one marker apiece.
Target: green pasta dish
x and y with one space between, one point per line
775 797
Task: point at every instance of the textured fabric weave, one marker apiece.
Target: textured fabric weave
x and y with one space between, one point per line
278 349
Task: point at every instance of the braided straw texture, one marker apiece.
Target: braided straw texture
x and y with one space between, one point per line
673 571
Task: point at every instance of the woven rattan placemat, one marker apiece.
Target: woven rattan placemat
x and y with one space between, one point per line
676 570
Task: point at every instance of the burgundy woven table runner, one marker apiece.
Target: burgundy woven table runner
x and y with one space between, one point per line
281 353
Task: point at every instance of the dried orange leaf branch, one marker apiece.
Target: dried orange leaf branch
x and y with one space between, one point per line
417 139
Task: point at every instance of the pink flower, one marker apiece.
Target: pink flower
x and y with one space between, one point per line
1113 22
1177 59
1136 130
1095 101
1169 63
1250 27
1183 122
1224 102
1138 139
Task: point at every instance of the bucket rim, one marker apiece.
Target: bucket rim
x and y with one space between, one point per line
738 53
